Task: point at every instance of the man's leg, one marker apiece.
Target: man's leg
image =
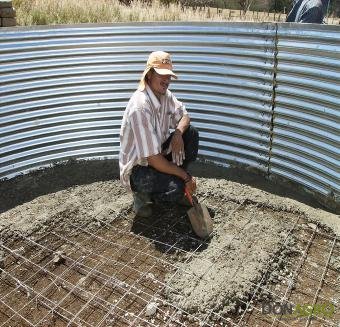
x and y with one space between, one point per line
160 187
191 140
142 204
148 184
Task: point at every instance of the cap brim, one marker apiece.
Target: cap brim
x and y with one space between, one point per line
163 71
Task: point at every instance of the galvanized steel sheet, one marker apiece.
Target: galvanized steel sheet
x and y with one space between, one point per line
306 134
63 89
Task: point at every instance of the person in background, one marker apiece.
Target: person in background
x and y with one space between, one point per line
308 11
153 160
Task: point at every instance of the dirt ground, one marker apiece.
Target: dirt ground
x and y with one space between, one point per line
75 252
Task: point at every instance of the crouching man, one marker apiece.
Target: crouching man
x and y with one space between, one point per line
153 160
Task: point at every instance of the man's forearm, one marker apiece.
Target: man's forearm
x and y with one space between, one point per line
164 166
183 124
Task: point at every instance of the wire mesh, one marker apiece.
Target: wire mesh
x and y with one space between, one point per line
108 274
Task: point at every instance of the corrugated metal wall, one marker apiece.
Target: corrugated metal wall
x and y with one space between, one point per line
307 107
63 91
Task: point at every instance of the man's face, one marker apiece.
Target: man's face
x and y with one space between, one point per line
158 83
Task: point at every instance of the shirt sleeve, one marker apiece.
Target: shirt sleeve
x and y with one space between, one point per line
312 15
177 111
146 141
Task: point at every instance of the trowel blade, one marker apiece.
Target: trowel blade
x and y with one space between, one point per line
200 219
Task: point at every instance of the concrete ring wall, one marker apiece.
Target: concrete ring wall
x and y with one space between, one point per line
262 95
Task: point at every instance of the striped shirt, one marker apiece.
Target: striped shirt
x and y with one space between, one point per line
145 127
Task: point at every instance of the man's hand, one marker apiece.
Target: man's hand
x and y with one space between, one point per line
177 148
164 166
191 185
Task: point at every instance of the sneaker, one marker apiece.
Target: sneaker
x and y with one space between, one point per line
142 204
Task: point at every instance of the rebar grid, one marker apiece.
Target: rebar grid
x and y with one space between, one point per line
304 227
204 322
45 302
303 259
123 266
169 248
93 272
69 286
125 247
15 314
145 273
30 277
71 291
72 264
258 286
49 262
321 281
141 277
251 283
290 280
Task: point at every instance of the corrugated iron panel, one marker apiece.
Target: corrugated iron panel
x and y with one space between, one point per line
63 89
306 135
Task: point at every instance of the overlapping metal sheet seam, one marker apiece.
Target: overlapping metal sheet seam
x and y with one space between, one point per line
307 110
63 89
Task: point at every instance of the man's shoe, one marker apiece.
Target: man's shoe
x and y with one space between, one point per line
142 204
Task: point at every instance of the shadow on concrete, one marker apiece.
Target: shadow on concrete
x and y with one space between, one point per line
170 230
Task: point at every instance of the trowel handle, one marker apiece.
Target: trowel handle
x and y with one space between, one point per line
188 195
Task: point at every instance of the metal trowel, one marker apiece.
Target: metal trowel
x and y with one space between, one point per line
199 217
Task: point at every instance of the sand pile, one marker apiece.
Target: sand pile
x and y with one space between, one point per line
79 204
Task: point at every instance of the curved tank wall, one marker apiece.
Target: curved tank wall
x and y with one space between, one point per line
263 95
306 134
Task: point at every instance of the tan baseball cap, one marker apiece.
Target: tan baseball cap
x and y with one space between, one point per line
161 62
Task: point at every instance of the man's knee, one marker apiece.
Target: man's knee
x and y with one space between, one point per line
142 178
191 133
191 140
173 193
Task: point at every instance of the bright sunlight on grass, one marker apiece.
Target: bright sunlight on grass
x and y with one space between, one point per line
49 12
